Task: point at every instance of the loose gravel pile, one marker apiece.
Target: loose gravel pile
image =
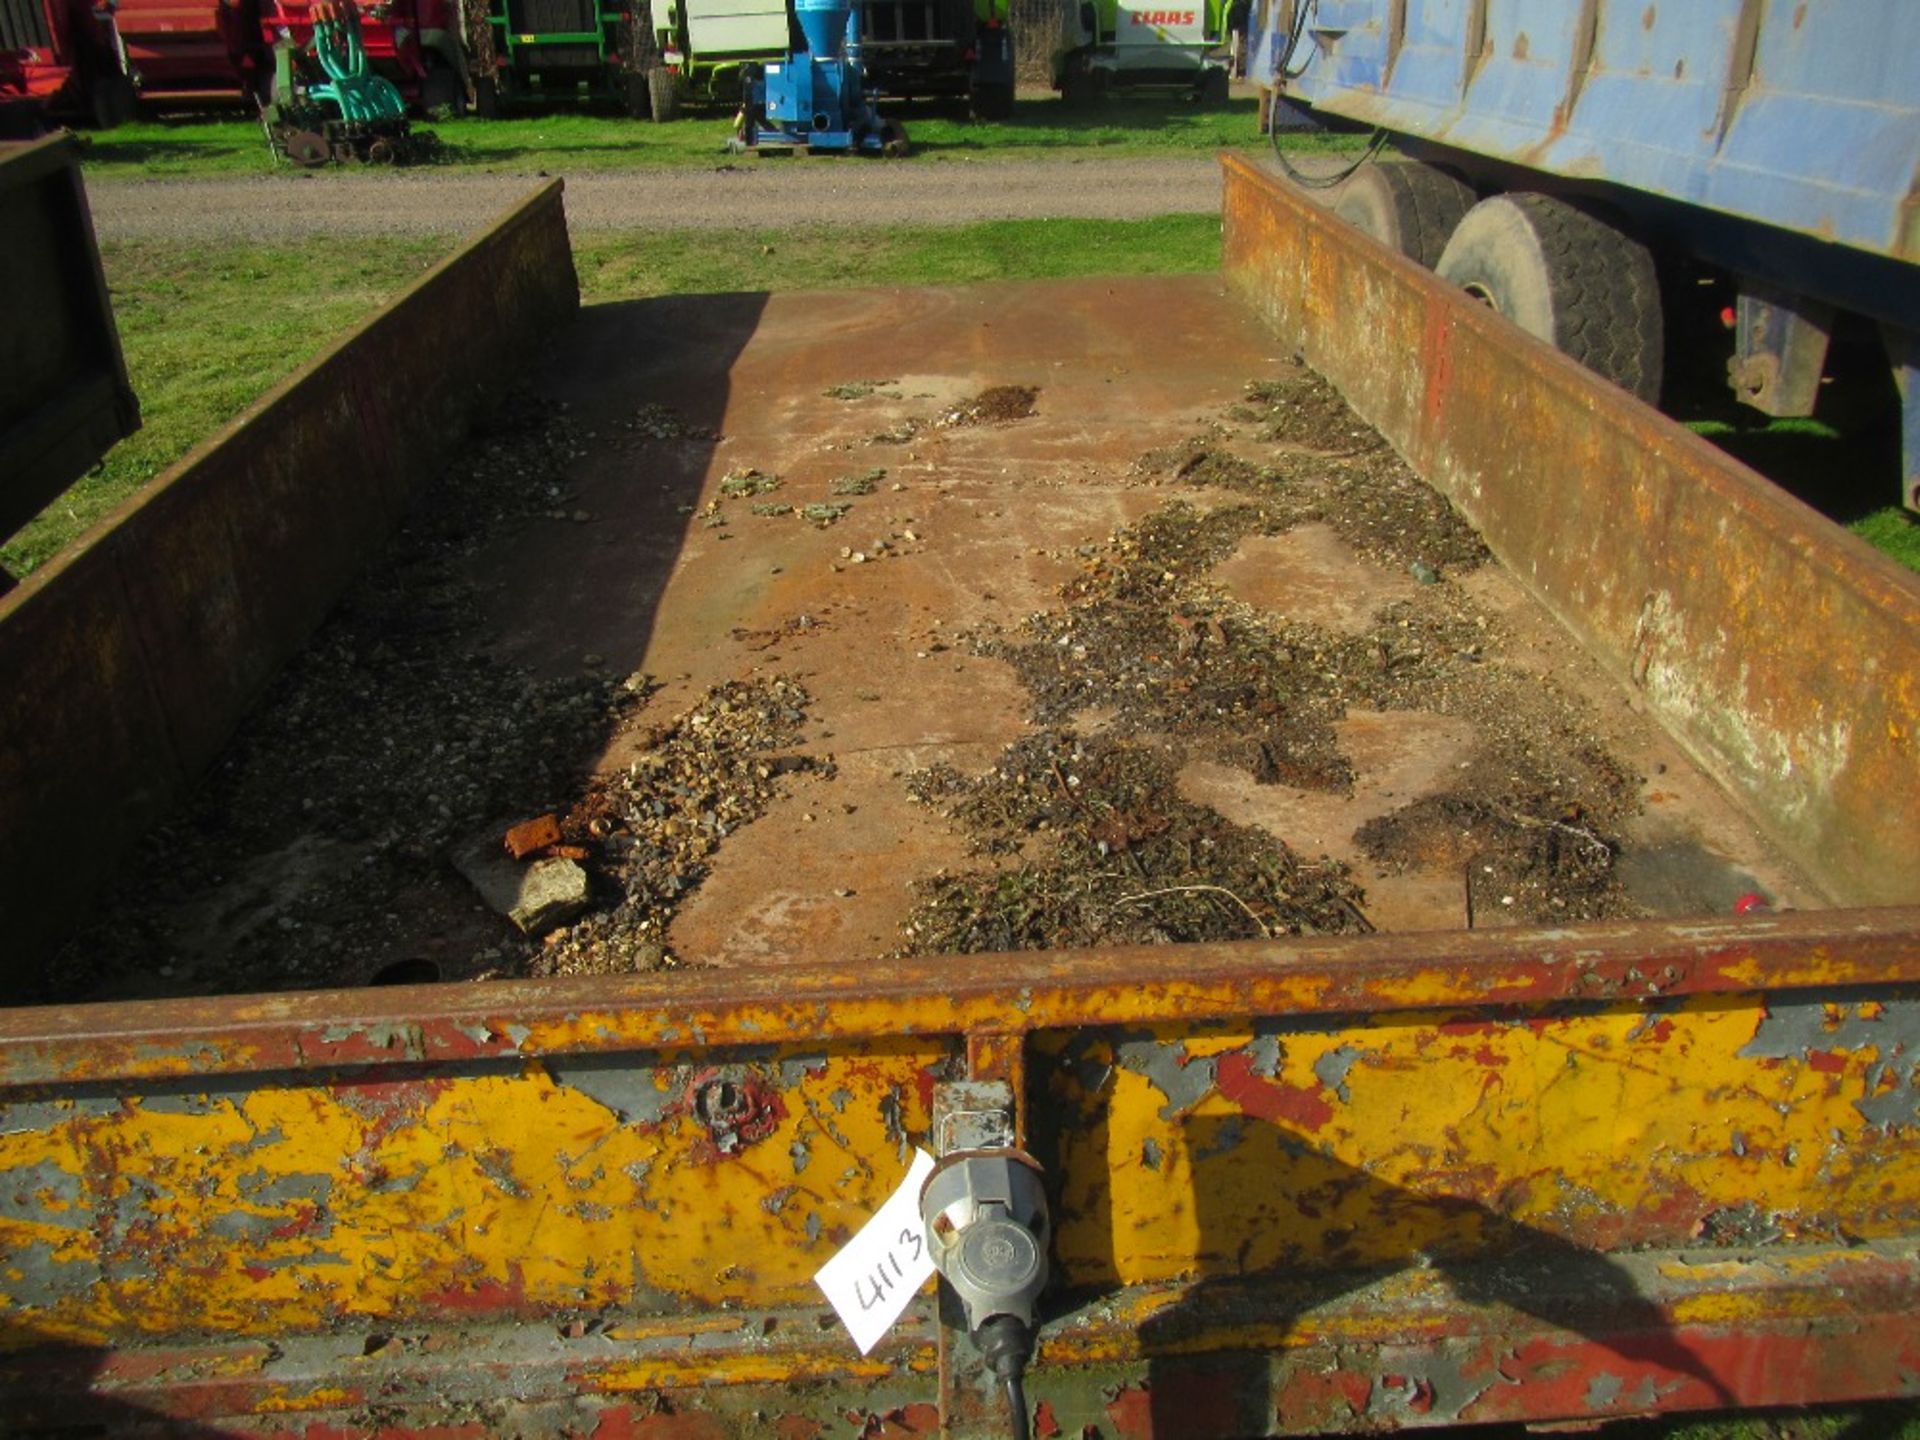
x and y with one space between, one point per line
651 831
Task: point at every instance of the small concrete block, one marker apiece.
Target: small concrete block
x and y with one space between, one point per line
534 897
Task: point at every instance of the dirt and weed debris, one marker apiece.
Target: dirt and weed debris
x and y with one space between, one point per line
654 421
1094 847
391 737
860 390
995 405
321 850
1321 462
1176 670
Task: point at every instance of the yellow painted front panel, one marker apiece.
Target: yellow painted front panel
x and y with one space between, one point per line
280 1209
1344 1145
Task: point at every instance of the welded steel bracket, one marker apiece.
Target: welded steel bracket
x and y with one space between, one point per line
1780 350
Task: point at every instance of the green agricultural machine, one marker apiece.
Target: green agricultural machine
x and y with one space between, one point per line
1111 46
562 49
328 105
706 50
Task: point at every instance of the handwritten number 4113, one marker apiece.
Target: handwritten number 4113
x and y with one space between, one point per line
873 1289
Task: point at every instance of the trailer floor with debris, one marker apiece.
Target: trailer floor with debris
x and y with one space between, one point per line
829 628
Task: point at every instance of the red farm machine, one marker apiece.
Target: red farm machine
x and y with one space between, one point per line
74 62
61 60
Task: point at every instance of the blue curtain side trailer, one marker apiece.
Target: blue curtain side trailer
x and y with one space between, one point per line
1775 140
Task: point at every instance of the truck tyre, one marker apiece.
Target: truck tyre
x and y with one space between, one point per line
1567 277
1215 89
992 102
111 101
636 96
441 91
1410 208
663 94
486 98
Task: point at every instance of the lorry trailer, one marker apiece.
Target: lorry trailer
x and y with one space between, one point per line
1417 849
1581 167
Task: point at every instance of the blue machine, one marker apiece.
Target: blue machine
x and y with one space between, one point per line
1775 140
815 99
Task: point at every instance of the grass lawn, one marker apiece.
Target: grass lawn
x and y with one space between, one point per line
568 142
208 329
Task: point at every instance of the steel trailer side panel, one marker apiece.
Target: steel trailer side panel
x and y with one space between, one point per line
64 394
138 649
1399 1180
1784 653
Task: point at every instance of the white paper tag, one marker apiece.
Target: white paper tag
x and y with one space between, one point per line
877 1272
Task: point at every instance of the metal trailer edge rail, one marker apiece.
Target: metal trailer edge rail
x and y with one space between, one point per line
1359 1183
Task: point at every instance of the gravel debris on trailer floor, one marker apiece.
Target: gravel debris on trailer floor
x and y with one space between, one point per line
1179 653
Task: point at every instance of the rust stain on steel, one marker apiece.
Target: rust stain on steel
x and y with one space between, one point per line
688 1013
1532 1335
1784 653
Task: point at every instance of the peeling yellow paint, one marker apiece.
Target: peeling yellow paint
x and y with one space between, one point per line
285 1209
1591 1131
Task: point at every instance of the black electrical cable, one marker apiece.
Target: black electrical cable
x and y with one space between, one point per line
1293 173
1017 1406
1326 182
1005 1343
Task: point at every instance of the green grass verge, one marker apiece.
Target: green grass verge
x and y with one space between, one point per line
569 142
624 267
206 330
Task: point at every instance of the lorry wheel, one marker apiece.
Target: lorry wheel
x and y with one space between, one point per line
893 140
1214 89
663 94
991 102
1411 208
441 91
486 98
111 101
1567 277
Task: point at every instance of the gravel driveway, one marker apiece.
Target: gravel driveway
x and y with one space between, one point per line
742 194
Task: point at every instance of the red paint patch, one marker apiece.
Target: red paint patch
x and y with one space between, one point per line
1317 1403
1044 1424
1826 1062
484 1297
1131 1411
1270 1099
